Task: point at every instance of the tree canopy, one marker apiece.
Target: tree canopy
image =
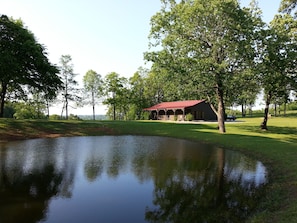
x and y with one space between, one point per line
288 6
276 65
70 90
116 94
207 43
23 62
93 87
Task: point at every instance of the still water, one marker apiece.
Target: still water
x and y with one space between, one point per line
125 179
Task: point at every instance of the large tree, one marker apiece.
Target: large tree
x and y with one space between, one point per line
155 86
23 62
207 42
277 61
70 93
138 99
116 94
93 87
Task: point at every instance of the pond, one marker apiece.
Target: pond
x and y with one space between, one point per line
126 179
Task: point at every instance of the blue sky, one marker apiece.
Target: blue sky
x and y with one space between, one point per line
103 35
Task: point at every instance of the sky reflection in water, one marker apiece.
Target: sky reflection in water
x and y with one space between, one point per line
126 179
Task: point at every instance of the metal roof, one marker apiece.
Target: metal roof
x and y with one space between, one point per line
174 105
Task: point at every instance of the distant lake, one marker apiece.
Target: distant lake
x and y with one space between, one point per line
126 179
90 117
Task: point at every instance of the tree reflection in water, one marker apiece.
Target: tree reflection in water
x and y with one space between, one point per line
28 182
184 181
210 194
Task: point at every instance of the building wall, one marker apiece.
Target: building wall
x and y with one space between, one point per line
202 111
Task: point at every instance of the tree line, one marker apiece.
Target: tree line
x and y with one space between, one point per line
213 50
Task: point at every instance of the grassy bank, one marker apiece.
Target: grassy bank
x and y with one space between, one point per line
276 148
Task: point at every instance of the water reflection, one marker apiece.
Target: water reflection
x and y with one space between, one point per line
125 179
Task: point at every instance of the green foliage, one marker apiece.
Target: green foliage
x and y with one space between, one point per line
155 87
205 45
217 51
288 6
139 94
29 110
93 89
55 117
132 113
244 94
23 63
117 96
70 90
145 115
276 64
292 106
189 117
9 110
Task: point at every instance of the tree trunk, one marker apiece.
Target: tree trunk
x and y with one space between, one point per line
242 111
66 97
66 108
47 108
266 111
62 110
221 109
114 106
93 104
251 111
2 98
221 116
114 112
94 112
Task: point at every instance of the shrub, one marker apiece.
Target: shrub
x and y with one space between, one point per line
189 117
54 117
145 115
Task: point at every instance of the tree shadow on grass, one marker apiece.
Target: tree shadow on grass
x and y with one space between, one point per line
291 131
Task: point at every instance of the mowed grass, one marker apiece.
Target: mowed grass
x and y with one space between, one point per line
276 148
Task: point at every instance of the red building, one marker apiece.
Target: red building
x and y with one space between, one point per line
178 110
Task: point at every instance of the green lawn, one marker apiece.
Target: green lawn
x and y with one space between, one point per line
276 148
